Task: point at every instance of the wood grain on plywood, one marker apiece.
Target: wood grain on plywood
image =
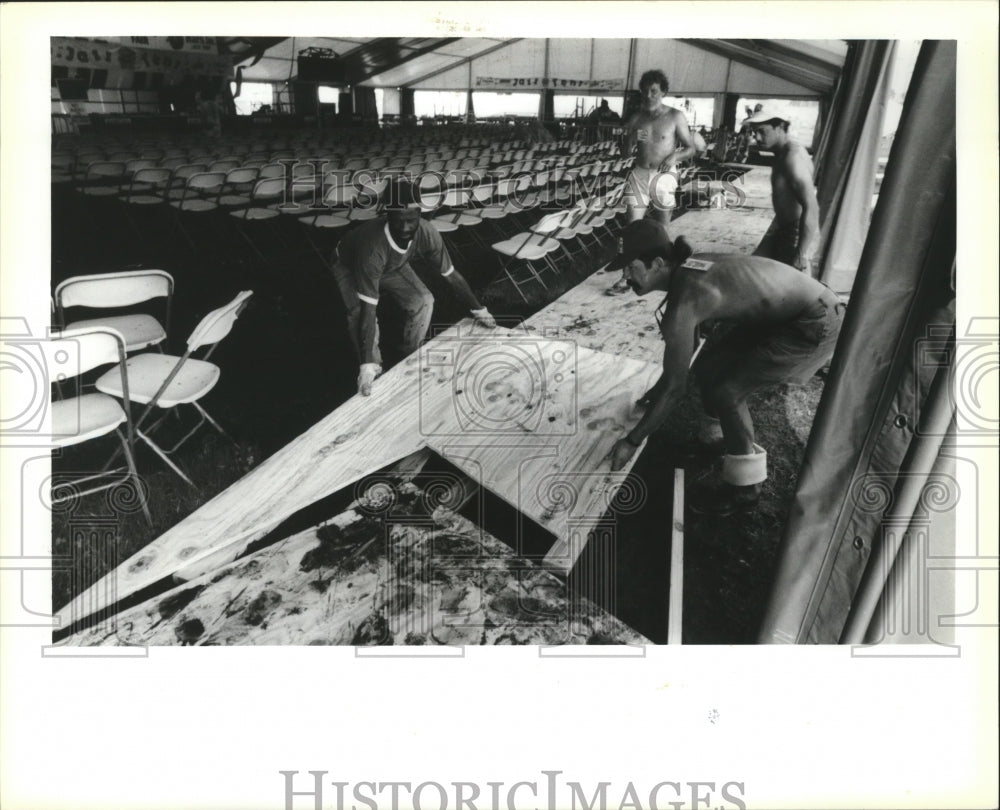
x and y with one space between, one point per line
371 577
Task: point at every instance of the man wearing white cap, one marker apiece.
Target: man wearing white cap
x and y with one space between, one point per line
793 236
786 326
661 139
374 260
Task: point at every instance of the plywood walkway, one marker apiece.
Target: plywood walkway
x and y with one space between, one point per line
518 413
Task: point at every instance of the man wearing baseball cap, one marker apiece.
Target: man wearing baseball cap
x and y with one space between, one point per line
794 234
785 327
374 260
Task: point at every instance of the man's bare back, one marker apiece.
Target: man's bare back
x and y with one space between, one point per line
745 289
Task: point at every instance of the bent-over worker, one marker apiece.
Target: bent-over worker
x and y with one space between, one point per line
374 261
786 328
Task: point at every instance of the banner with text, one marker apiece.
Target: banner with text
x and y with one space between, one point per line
524 83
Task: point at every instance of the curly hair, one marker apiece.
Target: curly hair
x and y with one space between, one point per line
654 76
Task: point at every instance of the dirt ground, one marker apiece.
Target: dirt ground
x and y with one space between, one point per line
286 365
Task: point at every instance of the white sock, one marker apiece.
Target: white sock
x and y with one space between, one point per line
744 471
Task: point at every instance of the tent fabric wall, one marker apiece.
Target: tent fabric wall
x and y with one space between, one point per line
878 380
748 81
610 58
865 77
846 230
688 69
523 58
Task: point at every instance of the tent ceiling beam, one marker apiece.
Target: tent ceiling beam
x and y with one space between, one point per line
466 61
360 69
738 51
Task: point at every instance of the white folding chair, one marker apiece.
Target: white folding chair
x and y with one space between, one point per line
165 381
84 417
114 290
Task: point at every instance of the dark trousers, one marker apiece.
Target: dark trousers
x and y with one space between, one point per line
405 290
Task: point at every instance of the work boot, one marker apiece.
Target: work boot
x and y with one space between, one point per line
725 500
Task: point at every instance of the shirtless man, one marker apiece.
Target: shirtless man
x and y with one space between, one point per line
786 327
793 236
661 138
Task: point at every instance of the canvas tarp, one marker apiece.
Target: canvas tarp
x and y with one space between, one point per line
870 410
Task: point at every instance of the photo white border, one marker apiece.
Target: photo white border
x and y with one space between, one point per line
212 727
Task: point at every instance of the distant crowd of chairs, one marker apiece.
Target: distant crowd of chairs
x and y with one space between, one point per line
478 192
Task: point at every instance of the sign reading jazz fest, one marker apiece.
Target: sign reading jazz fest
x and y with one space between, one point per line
536 82
173 56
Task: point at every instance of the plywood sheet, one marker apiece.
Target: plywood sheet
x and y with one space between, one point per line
723 230
547 418
370 577
620 325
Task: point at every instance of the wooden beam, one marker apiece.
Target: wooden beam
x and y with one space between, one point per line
676 591
754 60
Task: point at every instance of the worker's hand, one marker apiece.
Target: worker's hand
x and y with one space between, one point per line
802 263
484 318
622 451
369 371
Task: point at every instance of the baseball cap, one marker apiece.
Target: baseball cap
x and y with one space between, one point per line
765 114
639 239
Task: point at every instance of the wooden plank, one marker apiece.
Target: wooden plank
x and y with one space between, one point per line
676 595
368 578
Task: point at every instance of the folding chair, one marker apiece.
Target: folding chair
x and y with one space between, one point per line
84 417
115 290
103 179
195 200
165 381
267 194
530 247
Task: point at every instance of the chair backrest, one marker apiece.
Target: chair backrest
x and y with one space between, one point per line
269 188
218 323
224 165
272 170
132 166
204 181
121 289
186 170
105 168
72 352
154 175
241 174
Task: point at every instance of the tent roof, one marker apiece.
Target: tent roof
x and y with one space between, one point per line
782 67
